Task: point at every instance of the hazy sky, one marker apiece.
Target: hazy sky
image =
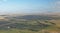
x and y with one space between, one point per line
29 6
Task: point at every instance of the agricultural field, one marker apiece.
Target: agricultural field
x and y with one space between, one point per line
30 24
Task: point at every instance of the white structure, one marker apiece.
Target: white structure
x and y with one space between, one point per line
8 27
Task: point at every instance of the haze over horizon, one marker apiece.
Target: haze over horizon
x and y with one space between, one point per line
29 6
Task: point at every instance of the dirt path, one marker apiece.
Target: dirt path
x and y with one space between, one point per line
7 24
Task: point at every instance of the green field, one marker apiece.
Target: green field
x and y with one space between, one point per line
30 24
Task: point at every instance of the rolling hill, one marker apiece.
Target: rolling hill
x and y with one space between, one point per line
30 23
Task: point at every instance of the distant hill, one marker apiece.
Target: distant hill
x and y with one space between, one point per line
42 16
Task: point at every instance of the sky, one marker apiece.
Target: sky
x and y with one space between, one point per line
29 6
